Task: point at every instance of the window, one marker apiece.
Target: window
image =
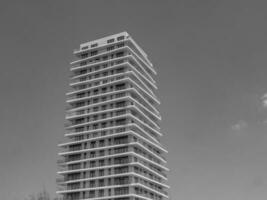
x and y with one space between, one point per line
84 55
95 126
91 194
101 172
110 41
95 134
120 38
121 180
101 163
103 133
101 143
121 122
101 183
120 70
92 174
93 53
82 78
104 90
101 153
79 129
120 45
120 86
92 164
83 71
120 95
92 154
81 87
104 107
104 116
120 150
94 45
120 191
110 48
97 67
92 184
120 170
121 160
83 63
120 104
101 193
84 47
93 145
80 95
103 99
119 54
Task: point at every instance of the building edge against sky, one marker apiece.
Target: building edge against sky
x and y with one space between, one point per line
112 146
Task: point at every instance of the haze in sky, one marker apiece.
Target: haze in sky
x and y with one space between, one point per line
211 59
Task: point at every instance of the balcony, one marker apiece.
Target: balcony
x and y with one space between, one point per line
85 76
119 163
97 119
100 146
96 58
103 83
98 111
116 95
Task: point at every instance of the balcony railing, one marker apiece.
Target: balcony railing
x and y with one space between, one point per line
69 124
116 63
96 166
117 95
116 142
80 113
111 80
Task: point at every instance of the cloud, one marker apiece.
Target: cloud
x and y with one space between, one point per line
239 126
264 105
264 100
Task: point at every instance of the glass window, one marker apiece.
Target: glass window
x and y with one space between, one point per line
110 41
120 38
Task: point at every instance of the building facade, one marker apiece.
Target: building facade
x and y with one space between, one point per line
112 149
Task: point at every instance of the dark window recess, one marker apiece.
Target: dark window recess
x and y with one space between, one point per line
119 54
83 63
120 104
120 70
120 38
121 122
83 71
110 48
120 86
93 53
94 45
84 55
84 47
110 41
120 45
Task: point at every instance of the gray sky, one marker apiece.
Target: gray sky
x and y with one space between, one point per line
211 60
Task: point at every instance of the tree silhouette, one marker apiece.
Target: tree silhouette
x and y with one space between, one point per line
43 195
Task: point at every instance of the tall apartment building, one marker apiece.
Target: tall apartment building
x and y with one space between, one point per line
112 149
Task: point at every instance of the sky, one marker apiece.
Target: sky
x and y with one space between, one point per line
211 59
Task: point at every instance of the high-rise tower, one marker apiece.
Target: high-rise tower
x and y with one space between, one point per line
112 149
